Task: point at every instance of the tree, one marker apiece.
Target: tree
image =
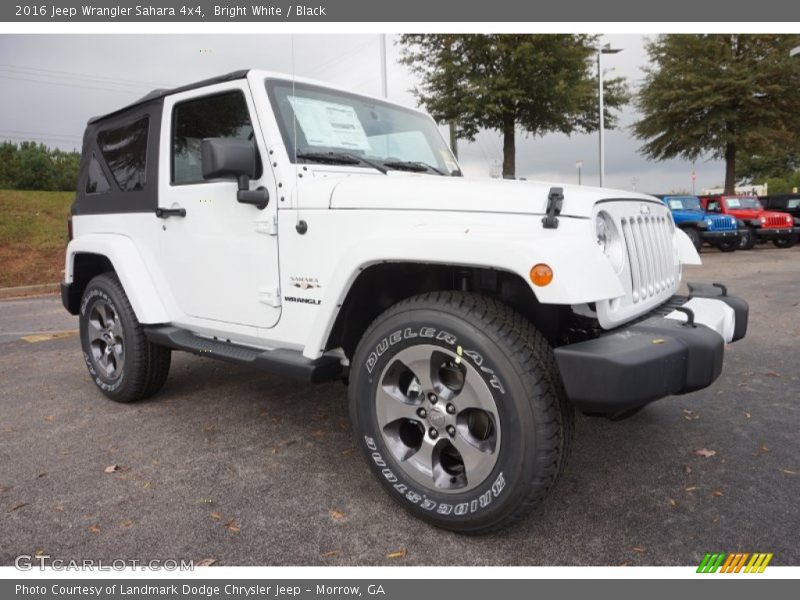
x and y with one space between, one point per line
723 96
536 83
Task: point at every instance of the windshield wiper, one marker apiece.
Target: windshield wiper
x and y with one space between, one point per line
412 165
340 158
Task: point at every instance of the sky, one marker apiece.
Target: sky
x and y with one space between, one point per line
51 85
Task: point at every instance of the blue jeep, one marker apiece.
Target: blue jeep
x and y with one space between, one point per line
721 231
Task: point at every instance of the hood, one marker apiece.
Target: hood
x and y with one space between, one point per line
686 213
747 213
402 191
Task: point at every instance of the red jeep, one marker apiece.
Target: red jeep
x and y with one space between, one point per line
755 223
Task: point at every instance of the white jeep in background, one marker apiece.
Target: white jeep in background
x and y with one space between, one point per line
318 234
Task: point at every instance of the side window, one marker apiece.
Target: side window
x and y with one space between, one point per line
96 182
713 206
125 151
222 115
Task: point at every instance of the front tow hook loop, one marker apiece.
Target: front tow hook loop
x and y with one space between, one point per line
689 316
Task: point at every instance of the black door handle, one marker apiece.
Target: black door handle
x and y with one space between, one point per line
163 213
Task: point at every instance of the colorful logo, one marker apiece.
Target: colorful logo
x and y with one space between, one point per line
734 563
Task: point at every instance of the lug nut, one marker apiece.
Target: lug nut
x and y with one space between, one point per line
422 413
451 410
432 398
451 431
433 433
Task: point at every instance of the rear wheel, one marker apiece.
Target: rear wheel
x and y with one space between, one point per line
694 235
458 405
122 362
748 239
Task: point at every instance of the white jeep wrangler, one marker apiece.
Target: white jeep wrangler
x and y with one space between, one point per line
318 234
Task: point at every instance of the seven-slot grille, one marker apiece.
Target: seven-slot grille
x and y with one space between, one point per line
648 239
721 222
776 221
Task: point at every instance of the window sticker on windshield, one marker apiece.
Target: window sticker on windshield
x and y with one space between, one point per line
675 204
734 203
793 203
329 125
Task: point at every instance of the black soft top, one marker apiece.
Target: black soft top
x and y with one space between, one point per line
158 94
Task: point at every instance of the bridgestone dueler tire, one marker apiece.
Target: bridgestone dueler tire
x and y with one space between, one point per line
518 364
146 365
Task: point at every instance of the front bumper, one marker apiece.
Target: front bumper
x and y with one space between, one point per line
658 356
771 233
726 235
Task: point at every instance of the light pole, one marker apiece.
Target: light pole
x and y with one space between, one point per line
579 165
384 83
606 49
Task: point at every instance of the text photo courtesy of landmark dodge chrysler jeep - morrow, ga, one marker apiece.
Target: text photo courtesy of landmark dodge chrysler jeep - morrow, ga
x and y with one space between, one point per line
323 235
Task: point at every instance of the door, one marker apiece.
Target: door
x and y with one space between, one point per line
220 260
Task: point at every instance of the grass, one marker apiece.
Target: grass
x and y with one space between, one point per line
33 236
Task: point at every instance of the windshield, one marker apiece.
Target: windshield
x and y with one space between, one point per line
684 203
742 202
328 126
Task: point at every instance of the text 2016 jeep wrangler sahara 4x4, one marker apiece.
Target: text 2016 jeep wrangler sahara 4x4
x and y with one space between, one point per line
319 234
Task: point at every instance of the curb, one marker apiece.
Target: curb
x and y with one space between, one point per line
41 289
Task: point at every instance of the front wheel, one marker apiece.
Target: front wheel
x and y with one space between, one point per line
748 239
786 242
122 362
694 236
457 403
728 246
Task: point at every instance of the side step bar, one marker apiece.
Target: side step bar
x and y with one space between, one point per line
289 363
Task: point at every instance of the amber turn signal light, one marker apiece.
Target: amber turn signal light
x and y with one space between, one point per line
541 275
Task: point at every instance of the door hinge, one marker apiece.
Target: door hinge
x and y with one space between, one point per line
270 295
268 227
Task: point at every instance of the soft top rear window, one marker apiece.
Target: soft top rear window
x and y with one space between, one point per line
124 150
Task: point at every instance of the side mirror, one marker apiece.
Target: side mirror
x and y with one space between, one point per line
226 158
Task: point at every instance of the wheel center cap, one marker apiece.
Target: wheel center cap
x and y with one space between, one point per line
436 418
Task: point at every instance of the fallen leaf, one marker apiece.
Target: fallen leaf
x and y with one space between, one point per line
49 417
347 451
216 516
59 508
17 506
690 488
687 469
205 562
624 563
716 493
39 553
788 472
40 475
331 553
336 515
772 374
318 433
147 485
705 452
639 549
232 526
95 528
764 447
747 415
126 524
673 503
211 428
715 520
397 553
155 462
112 469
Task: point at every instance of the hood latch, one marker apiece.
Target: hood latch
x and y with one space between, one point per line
554 201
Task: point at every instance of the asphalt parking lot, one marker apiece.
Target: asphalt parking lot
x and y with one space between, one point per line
249 469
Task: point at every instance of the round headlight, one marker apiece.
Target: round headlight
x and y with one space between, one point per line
608 239
708 221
